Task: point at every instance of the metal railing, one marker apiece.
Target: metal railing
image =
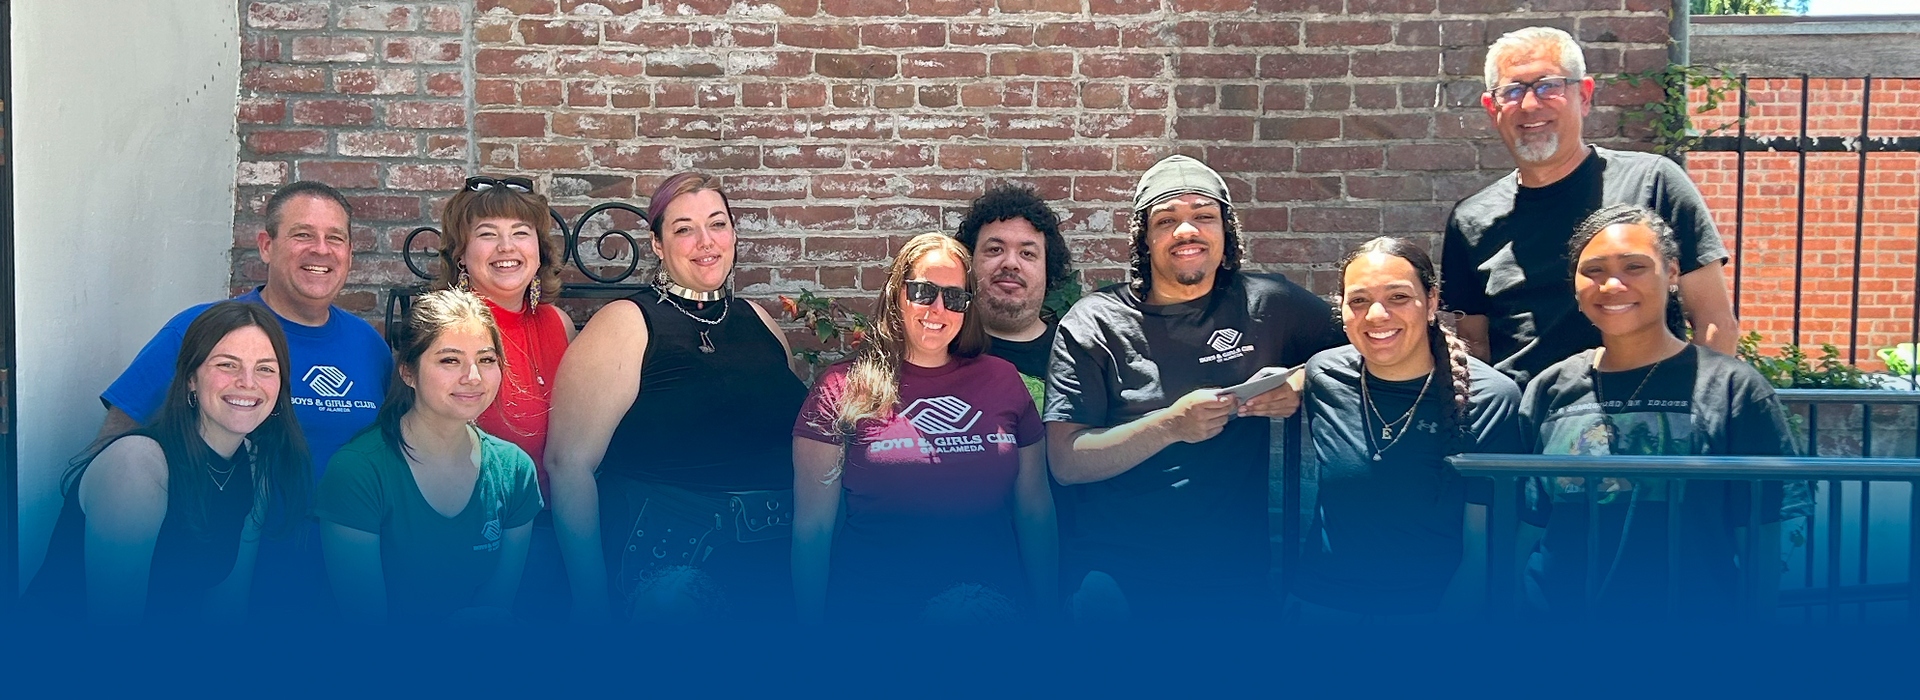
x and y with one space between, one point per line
1830 524
1509 471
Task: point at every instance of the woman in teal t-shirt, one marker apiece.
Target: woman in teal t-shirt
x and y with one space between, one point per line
423 516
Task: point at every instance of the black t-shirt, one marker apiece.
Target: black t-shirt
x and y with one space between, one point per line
1027 356
1191 520
1386 535
1505 253
1698 402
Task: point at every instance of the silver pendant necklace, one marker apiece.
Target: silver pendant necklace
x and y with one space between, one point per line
214 473
706 343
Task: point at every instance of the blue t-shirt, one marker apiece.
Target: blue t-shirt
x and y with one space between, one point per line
339 375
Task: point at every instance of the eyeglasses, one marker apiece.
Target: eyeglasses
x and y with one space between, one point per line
1543 89
481 183
923 292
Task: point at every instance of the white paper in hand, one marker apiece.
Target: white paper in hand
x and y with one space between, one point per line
1263 381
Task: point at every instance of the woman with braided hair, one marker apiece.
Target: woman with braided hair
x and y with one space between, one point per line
1396 532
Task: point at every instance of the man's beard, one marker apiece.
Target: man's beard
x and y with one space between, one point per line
1188 279
1008 315
1536 151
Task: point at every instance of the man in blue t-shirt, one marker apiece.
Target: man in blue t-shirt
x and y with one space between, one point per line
339 364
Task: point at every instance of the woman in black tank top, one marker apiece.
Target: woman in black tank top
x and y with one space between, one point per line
681 398
162 523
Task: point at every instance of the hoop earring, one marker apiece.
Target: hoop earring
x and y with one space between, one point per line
192 400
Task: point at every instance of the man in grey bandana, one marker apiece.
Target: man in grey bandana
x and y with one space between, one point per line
1165 479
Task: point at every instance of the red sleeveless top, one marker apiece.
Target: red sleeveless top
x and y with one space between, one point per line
530 347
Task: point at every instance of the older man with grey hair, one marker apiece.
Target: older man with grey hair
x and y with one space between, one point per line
1503 264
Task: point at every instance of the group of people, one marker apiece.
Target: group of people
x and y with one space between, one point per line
977 458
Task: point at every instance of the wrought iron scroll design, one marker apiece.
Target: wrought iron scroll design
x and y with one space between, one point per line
570 247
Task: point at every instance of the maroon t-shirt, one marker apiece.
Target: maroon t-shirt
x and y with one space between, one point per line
929 490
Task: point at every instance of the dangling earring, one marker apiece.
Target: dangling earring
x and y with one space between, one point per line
463 284
533 293
660 277
1673 289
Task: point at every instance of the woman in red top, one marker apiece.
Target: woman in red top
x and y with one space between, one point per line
494 243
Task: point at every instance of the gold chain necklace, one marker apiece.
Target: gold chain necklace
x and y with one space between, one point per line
1386 427
511 389
1606 419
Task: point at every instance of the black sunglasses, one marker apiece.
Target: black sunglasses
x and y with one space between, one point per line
923 293
482 183
1543 89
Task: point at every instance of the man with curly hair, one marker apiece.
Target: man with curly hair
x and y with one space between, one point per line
1165 476
1019 257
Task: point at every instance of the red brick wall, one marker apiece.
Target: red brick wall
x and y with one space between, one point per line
368 97
843 126
1768 256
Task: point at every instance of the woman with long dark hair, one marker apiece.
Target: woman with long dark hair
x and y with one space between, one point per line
163 522
937 451
670 442
424 517
1396 532
1645 391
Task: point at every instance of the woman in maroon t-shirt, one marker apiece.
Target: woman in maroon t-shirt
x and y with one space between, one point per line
494 243
943 468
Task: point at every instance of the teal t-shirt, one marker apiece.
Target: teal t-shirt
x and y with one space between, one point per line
433 564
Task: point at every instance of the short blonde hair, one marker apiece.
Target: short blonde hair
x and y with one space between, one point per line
1557 44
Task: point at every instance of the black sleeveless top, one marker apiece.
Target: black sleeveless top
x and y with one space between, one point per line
718 421
184 565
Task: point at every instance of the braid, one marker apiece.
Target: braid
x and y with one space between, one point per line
1451 351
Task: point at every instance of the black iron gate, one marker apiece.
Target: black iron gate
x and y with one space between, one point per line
1863 144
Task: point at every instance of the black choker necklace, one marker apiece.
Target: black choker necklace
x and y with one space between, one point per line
670 287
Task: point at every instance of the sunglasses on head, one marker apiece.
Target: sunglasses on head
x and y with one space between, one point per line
923 293
481 183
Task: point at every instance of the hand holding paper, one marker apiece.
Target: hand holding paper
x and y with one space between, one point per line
1270 392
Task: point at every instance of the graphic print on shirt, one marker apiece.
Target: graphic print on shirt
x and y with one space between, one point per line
941 415
1226 344
491 533
328 381
945 424
1585 429
331 384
